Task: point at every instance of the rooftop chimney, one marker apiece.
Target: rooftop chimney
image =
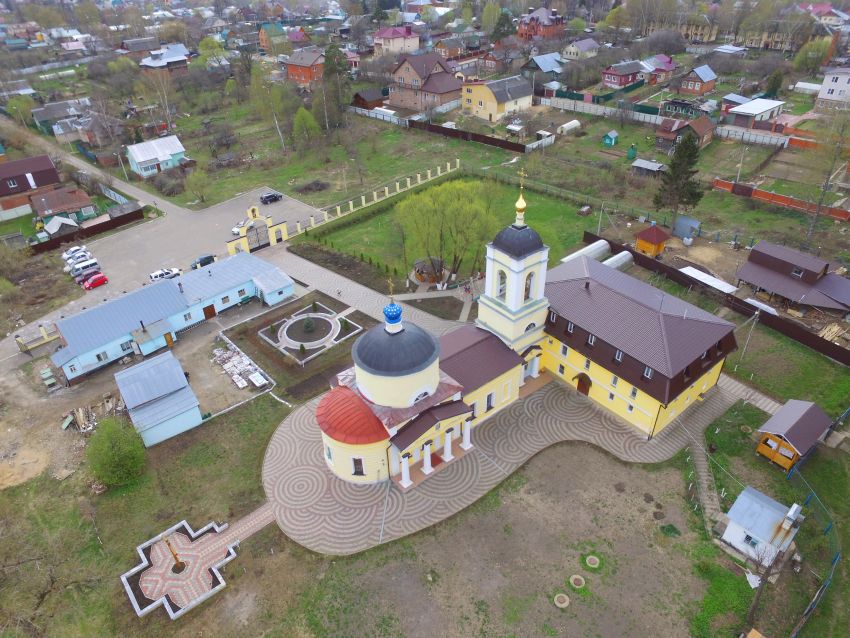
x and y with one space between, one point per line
554 13
180 286
530 10
587 285
142 324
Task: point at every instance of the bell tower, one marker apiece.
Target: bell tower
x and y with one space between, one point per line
513 306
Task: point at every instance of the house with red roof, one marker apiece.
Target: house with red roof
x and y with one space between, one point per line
390 40
541 24
650 241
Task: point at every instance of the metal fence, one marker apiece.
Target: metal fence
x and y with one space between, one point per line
384 117
748 136
577 106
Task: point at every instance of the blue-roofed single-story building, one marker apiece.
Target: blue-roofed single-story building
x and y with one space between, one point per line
760 527
158 398
148 319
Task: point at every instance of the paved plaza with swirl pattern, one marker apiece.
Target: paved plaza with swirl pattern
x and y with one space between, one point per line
330 516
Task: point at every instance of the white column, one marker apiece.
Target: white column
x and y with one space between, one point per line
467 436
405 472
447 447
426 459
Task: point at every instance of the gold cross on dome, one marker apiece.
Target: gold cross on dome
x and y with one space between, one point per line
522 175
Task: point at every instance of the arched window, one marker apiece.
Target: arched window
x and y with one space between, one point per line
502 285
530 327
420 397
529 285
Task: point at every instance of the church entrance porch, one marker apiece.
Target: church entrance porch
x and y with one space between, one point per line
428 462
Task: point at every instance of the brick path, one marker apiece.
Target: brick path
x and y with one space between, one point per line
746 393
331 516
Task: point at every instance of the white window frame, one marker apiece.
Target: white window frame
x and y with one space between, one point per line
570 327
797 272
187 316
614 380
491 401
586 363
565 350
127 346
618 356
633 393
225 299
12 183
648 372
591 339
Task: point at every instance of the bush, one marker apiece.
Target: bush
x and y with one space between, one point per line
169 183
314 307
116 453
343 323
309 325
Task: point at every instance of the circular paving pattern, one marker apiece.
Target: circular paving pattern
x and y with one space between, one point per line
562 601
576 581
592 561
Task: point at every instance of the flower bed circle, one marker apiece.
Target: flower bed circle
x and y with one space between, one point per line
577 582
562 601
293 334
592 561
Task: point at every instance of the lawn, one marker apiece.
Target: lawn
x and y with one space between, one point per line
21 225
378 237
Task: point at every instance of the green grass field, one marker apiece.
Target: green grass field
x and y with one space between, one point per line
21 225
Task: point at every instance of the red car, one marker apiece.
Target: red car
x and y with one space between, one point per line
97 279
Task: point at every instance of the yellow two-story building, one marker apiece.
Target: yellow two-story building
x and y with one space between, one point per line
495 99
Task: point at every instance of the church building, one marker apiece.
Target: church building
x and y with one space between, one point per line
411 402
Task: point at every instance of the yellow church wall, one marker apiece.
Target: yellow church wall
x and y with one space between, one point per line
340 460
505 389
641 410
398 392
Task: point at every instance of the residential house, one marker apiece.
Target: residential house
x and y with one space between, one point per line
500 60
544 68
541 24
622 74
19 179
46 116
731 100
793 432
777 37
694 28
450 48
657 69
146 159
681 108
353 59
647 168
69 202
138 48
421 82
825 14
391 40
371 98
271 35
758 113
298 38
834 93
670 132
96 129
306 66
148 319
698 81
15 87
648 377
581 49
495 99
172 59
159 401
799 278
761 528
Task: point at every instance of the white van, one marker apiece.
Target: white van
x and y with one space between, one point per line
84 267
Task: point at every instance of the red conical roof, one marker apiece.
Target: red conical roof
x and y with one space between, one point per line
344 417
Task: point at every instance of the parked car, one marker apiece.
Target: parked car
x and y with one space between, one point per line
77 258
72 250
235 229
270 198
203 260
164 273
95 281
81 276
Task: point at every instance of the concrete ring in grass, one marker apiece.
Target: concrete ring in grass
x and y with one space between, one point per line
577 581
592 561
562 601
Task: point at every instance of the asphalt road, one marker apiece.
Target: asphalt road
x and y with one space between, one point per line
174 240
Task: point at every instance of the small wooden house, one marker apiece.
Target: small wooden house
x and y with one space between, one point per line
650 241
792 432
611 138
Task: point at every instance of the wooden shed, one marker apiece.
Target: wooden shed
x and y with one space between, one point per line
650 241
792 432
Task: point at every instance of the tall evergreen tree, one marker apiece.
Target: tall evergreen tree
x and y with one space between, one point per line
504 27
679 187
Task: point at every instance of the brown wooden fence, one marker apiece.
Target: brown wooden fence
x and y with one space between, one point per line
790 329
469 136
776 199
82 233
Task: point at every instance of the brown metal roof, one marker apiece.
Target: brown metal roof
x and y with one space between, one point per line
26 165
658 329
61 200
442 83
424 65
701 126
653 234
801 423
425 421
474 357
803 260
831 291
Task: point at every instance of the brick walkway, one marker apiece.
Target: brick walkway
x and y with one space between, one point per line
746 393
331 516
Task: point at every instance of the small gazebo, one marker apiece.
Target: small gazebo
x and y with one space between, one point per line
792 432
650 241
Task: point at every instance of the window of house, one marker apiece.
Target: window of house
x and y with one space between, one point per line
797 272
570 327
591 339
480 103
187 316
618 356
552 316
614 380
704 355
358 466
502 289
491 400
830 91
529 285
468 90
647 372
610 396
633 393
468 101
587 364
127 346
474 407
241 293
11 183
102 357
631 408
749 540
328 453
72 368
835 79
564 350
687 372
225 299
561 369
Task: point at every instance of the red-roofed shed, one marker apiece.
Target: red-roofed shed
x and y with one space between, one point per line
344 417
651 240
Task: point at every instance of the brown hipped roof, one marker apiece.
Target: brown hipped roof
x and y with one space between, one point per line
830 291
701 126
61 200
801 423
425 421
474 357
653 234
658 329
423 65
